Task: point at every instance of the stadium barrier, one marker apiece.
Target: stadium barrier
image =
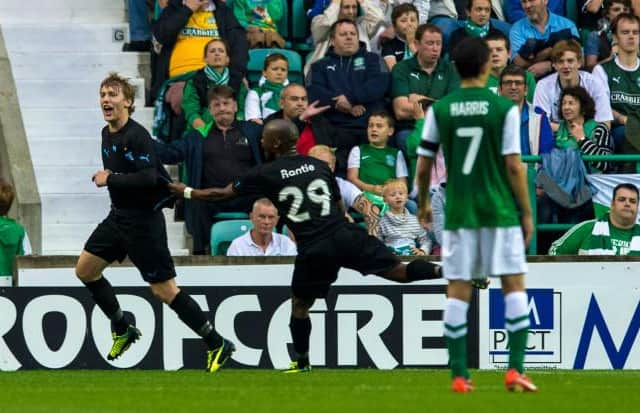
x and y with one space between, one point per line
585 313
531 160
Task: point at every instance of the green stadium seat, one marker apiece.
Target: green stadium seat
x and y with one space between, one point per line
223 216
571 10
300 27
223 232
256 64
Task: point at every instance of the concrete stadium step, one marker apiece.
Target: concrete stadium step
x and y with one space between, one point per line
63 152
66 93
50 122
63 11
73 236
75 66
81 208
67 179
63 208
51 37
62 15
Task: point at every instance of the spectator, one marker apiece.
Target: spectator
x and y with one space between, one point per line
368 24
399 228
181 32
351 196
620 77
516 9
261 241
567 59
579 130
387 6
373 164
424 77
445 15
615 233
533 36
350 80
599 45
589 12
13 239
216 154
536 136
402 46
260 18
139 31
477 24
500 49
215 73
314 127
265 99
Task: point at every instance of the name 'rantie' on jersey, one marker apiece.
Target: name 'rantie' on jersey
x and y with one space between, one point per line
289 173
470 108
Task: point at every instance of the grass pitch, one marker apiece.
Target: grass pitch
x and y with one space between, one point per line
323 390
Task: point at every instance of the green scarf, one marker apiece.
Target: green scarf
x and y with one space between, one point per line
275 89
475 30
215 77
599 243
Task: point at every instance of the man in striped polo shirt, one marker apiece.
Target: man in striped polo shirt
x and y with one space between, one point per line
615 233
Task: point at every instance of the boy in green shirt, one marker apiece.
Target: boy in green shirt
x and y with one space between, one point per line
13 239
371 165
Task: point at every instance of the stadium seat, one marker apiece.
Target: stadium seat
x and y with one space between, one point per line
571 10
223 216
300 27
256 64
223 232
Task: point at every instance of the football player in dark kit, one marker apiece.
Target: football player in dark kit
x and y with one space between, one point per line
135 226
305 192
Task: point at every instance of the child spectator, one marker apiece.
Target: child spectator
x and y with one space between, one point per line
265 99
13 239
404 18
260 18
371 165
399 229
215 73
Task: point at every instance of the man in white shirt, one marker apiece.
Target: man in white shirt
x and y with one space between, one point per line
261 241
566 56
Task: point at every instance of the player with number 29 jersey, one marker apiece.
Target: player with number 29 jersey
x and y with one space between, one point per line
476 129
303 190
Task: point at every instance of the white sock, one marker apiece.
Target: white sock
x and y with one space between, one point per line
516 311
455 318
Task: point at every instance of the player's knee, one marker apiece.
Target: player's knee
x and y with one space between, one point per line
300 307
164 291
87 274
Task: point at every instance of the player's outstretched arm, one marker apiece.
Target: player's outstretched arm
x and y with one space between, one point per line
207 194
517 175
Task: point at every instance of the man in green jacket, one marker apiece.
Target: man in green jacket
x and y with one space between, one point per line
615 233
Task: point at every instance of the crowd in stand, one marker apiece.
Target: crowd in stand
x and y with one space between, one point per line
372 69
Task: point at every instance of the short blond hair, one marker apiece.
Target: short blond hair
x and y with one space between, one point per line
320 149
394 183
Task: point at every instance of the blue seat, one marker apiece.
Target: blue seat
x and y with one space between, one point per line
223 232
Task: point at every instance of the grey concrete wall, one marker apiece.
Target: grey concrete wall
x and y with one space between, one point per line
15 159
